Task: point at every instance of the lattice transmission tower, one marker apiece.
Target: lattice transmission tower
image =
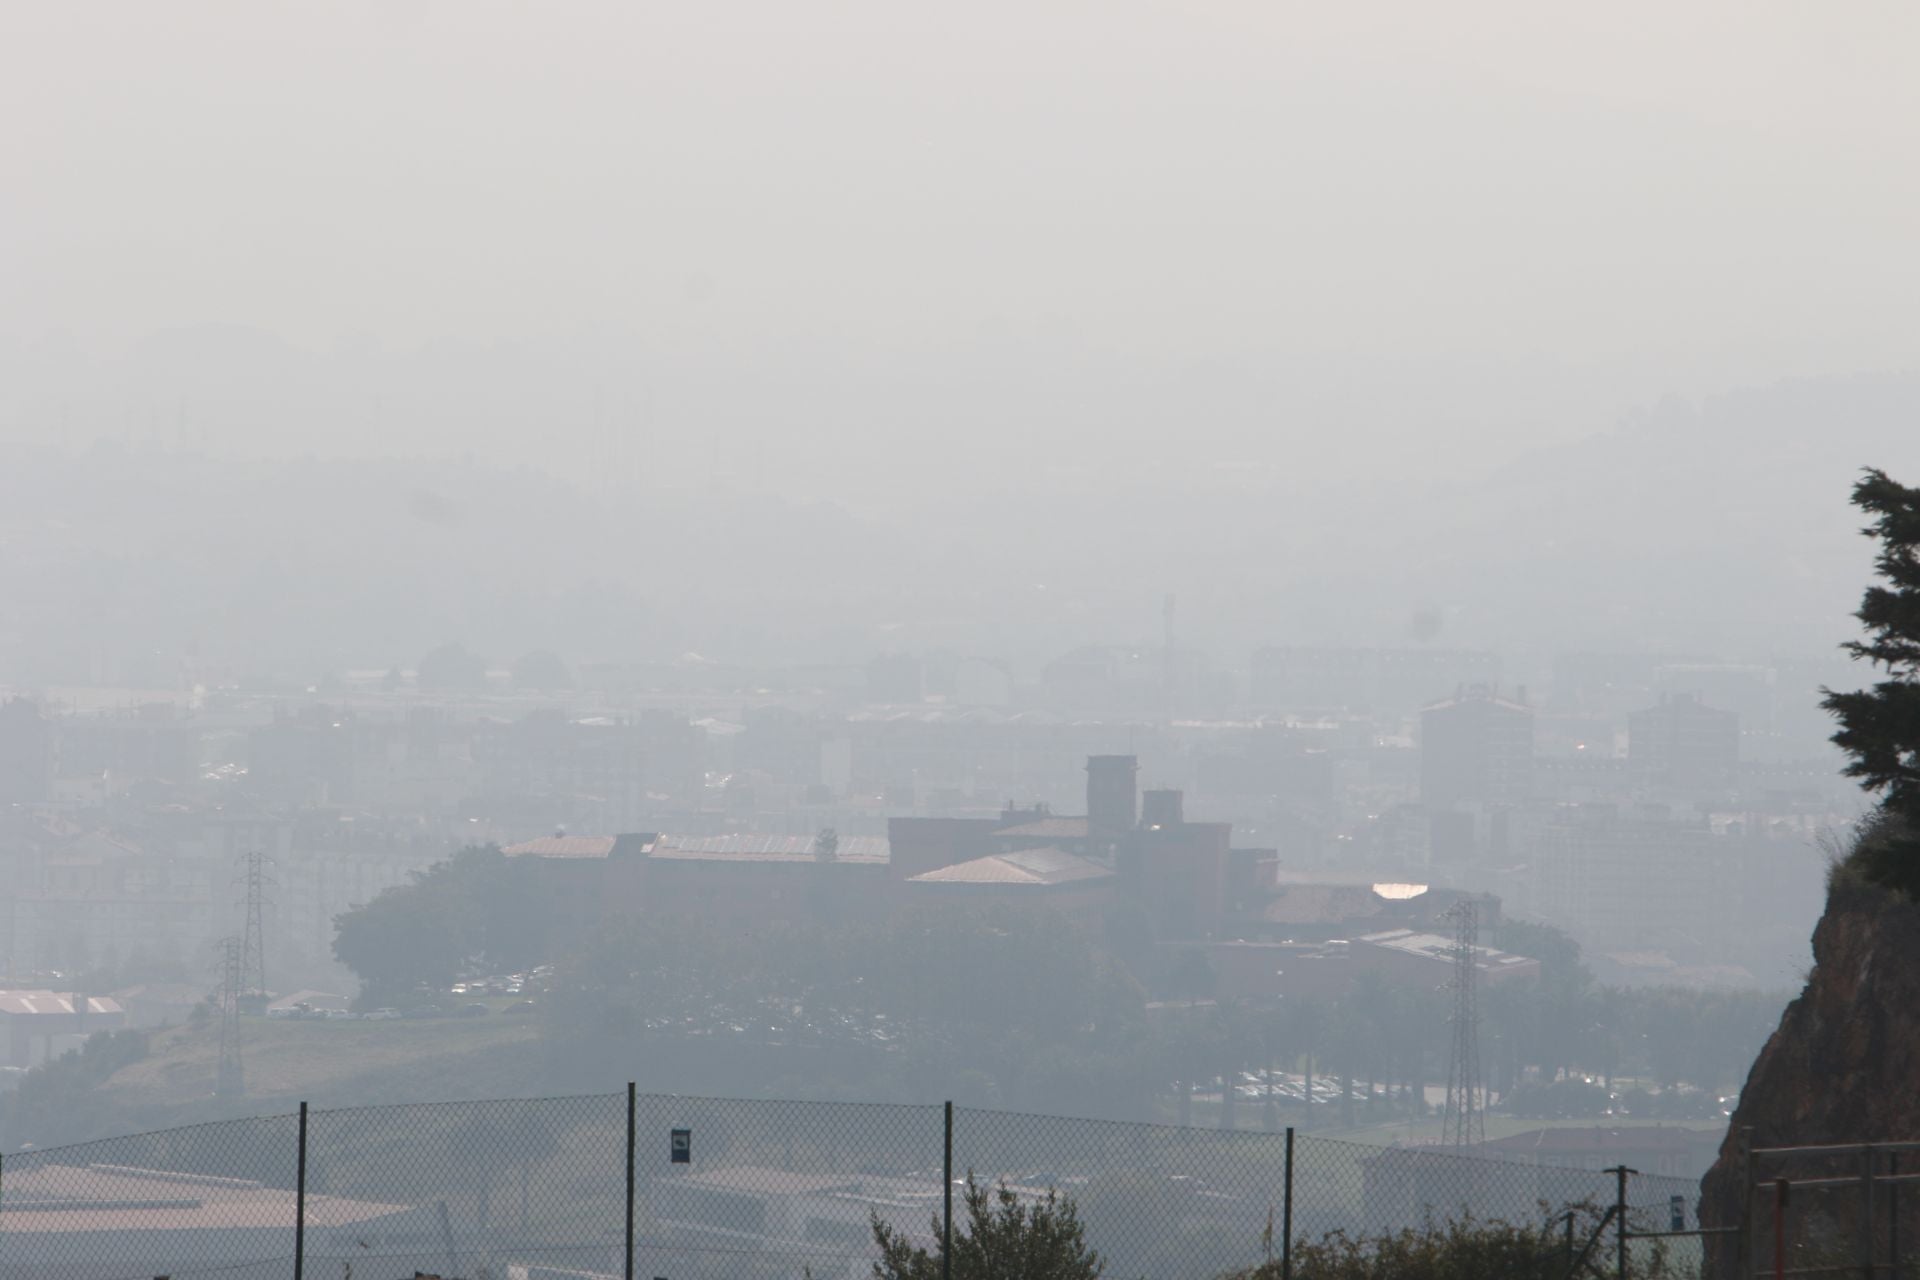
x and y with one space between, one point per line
230 1079
253 942
1465 1121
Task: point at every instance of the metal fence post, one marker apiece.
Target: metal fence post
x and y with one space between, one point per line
1893 1213
631 1135
1743 1243
1620 1173
1286 1214
946 1219
300 1204
1779 1229
1866 1212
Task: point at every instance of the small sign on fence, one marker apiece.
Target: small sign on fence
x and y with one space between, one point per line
683 1146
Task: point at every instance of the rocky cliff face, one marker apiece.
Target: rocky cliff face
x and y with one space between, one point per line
1843 1067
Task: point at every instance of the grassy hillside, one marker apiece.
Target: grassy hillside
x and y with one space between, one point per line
330 1064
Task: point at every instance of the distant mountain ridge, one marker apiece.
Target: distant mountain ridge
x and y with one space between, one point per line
1718 528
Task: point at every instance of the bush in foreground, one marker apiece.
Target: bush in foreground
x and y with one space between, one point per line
1003 1238
1467 1249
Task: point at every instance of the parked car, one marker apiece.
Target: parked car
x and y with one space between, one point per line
475 1010
303 1010
382 1015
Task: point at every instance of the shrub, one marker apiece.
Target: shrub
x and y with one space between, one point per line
1003 1238
1462 1249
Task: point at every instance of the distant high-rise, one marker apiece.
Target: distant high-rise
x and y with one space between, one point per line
1162 808
1746 689
1476 748
895 677
1684 743
26 753
1464 1121
1112 795
1385 681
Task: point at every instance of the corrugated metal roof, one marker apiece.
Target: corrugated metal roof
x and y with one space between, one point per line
145 1200
51 1004
1305 904
1048 866
94 848
754 847
1481 699
1297 901
756 1181
1326 876
738 847
1049 828
1597 1138
1432 946
562 847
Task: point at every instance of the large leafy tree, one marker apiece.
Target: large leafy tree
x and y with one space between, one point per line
1880 726
1006 1237
478 907
408 939
541 669
451 666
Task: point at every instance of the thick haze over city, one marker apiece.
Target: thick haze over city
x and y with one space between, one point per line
1302 311
1100 559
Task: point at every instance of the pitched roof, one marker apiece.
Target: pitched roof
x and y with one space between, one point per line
93 848
1572 1141
1322 904
1040 867
181 992
737 847
1432 946
51 1004
1472 698
1333 875
750 847
562 847
59 1199
761 1182
1298 900
1052 827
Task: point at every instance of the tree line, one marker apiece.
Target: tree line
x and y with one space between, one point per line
1014 1007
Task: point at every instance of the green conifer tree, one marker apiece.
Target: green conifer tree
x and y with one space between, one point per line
1880 725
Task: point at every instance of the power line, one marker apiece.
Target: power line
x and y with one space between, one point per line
1168 672
1465 1120
253 943
230 1078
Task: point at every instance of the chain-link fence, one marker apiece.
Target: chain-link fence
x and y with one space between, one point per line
1851 1209
654 1186
1165 1201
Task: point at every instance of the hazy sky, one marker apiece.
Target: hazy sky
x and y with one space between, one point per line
941 242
